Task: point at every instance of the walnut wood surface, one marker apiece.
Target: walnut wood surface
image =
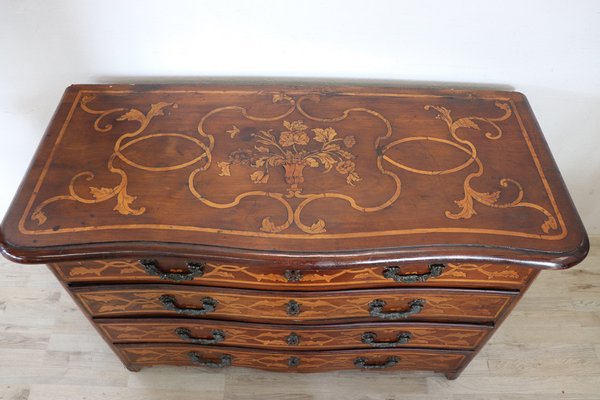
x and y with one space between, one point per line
301 192
294 175
322 337
249 305
546 345
141 355
274 278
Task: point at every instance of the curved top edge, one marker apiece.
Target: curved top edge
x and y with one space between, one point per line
399 255
571 251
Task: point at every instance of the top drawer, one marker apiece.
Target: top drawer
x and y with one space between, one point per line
279 278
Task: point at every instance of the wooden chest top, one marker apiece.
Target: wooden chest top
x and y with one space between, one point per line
294 174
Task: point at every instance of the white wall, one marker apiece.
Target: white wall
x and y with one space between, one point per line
550 50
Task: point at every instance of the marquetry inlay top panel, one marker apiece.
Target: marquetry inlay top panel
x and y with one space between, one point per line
292 169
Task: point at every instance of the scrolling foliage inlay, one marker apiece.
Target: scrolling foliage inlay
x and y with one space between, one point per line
302 142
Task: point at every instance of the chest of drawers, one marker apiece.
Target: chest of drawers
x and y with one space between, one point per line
294 228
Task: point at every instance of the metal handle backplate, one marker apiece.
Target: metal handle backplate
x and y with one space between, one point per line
293 275
293 361
376 310
196 269
370 338
185 334
292 339
292 308
224 361
394 273
362 363
169 303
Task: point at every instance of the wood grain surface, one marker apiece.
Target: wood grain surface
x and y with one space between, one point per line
322 337
302 192
140 355
454 305
294 175
547 349
271 277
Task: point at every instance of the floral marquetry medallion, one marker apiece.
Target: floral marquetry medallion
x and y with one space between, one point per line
282 151
315 168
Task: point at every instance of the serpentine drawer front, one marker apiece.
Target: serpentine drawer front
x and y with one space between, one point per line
275 278
295 337
141 355
294 228
295 307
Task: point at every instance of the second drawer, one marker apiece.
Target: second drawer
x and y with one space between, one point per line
294 337
444 305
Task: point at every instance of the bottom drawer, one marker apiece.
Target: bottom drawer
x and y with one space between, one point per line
294 337
142 355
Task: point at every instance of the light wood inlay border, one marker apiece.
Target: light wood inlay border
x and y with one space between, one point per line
563 230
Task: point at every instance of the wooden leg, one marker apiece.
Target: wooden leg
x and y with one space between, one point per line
133 368
452 375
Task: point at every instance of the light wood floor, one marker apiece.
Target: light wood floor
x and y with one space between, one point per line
549 348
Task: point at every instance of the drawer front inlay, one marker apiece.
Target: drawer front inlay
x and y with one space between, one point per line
294 337
217 357
212 274
245 305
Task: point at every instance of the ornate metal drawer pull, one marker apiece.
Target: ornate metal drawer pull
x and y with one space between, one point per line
435 270
376 309
224 361
370 339
169 303
361 362
293 275
151 267
292 308
185 334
